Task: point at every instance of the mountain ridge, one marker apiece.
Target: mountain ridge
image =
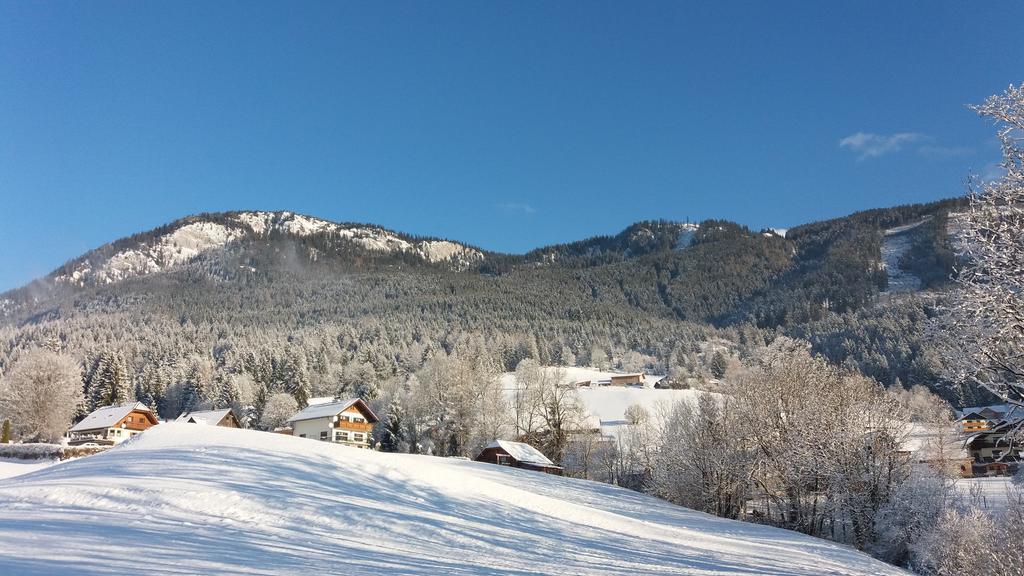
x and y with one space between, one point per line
234 244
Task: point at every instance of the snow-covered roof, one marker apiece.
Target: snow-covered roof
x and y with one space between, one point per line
328 410
107 416
211 417
522 452
996 410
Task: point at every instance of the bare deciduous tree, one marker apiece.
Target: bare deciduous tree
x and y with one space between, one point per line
985 324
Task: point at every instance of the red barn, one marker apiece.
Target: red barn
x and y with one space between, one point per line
517 455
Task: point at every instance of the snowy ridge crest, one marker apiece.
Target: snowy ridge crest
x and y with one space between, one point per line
191 239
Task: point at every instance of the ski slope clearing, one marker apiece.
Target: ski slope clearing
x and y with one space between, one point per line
188 499
896 243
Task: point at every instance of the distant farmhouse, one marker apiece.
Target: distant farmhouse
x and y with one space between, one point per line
225 418
112 424
989 439
628 379
346 422
517 455
632 379
977 420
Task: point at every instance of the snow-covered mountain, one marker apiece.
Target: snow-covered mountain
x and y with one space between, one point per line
191 499
188 238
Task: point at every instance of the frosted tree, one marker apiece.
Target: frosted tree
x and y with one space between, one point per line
525 404
986 316
41 394
394 428
561 410
292 376
825 443
703 462
194 386
279 408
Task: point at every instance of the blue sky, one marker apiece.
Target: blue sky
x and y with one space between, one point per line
508 125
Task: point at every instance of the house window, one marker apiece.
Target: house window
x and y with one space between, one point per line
342 436
357 437
302 435
323 435
129 419
504 459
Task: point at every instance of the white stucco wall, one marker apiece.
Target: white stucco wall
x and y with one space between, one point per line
313 428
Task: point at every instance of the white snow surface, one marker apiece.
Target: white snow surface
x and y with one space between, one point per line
207 500
11 467
991 493
686 234
192 239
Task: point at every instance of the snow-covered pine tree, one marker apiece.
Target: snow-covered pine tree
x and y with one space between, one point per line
193 388
98 383
394 428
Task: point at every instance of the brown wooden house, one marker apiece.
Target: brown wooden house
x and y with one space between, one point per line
517 455
112 424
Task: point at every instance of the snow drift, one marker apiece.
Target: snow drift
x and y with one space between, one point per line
189 499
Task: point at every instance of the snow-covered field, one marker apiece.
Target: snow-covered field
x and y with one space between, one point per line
607 404
188 499
992 493
11 467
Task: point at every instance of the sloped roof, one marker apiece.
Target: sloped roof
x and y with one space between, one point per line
331 409
107 416
522 452
211 417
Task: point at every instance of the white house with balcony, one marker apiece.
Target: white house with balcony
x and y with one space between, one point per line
348 422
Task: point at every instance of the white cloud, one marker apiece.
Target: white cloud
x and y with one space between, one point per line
516 208
870 145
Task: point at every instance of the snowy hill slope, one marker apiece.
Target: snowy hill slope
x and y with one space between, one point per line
186 499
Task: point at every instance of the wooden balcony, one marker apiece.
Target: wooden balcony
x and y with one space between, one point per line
353 426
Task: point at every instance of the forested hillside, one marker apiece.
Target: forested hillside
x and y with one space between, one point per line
269 302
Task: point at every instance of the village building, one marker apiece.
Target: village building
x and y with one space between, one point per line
628 379
112 424
979 419
348 422
225 418
993 451
517 455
